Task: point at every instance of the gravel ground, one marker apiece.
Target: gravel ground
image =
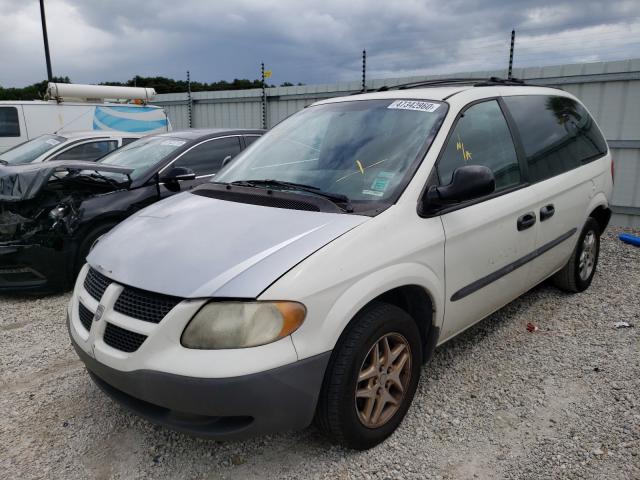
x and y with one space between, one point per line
496 402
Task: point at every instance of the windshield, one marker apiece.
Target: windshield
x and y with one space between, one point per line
143 154
28 151
366 150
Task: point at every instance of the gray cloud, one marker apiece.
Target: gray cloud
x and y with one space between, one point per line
312 42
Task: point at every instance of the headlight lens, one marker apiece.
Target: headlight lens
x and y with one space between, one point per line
220 325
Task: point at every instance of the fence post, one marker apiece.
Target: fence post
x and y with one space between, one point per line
364 71
513 41
189 101
264 98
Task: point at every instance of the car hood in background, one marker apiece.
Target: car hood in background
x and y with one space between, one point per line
23 182
193 246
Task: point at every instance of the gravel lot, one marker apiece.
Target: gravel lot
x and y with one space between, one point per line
497 402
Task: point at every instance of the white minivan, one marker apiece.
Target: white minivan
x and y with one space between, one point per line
319 271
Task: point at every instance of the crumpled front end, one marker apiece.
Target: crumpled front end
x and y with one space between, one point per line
41 215
35 245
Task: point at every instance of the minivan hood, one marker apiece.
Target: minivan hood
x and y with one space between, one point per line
193 246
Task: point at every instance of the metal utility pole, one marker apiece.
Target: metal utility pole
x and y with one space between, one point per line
264 98
190 104
46 41
513 41
364 71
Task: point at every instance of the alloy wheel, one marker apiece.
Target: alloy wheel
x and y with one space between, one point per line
587 256
383 380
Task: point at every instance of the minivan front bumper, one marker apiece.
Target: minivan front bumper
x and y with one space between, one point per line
275 400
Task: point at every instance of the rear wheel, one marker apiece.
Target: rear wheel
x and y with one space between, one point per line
371 378
577 274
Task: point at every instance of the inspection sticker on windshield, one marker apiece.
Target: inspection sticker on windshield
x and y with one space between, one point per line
173 143
414 105
53 141
372 192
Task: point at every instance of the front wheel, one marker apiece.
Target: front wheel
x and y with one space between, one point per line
577 274
371 378
87 242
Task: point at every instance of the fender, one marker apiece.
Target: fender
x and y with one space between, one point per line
322 334
598 200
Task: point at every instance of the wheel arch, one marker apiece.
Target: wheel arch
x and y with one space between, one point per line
602 215
90 226
599 210
418 303
411 287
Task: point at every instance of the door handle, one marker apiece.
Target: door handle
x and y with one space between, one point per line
526 221
547 212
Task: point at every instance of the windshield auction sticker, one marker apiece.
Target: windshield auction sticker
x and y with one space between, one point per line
415 105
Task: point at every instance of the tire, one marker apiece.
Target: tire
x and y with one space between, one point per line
87 242
339 414
577 274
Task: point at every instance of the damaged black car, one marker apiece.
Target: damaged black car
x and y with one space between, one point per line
51 213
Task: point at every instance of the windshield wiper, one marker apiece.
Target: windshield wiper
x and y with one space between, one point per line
336 198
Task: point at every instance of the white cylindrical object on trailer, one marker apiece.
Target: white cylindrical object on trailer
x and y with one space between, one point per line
71 90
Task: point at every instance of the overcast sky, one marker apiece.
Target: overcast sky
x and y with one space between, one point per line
306 41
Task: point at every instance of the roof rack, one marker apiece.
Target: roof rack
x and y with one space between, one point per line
476 82
501 81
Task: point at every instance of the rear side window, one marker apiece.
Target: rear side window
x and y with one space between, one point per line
557 133
9 125
481 137
207 158
88 151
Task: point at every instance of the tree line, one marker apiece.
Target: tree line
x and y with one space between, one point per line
160 84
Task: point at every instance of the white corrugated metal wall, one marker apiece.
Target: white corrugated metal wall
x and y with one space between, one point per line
611 91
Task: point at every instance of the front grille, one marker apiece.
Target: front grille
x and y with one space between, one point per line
95 284
122 339
86 317
143 305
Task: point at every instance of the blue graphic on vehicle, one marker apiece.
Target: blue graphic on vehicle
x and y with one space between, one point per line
130 119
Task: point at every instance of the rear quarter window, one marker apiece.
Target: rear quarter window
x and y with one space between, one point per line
557 134
9 124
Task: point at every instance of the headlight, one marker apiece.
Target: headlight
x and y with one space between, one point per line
220 325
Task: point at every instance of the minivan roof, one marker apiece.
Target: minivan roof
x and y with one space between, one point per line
440 93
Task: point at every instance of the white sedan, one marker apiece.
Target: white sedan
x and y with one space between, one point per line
87 145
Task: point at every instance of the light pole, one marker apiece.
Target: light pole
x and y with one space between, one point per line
46 41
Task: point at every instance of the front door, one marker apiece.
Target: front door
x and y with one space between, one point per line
486 240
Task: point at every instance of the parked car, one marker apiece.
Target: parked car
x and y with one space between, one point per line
52 212
73 107
308 280
87 146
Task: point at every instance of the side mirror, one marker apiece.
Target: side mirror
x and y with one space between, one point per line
177 174
467 183
226 160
